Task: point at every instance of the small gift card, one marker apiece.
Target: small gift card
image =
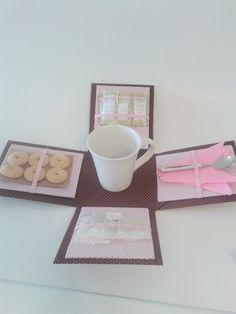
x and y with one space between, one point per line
113 235
37 169
130 105
207 182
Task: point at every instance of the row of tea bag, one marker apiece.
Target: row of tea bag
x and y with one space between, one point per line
123 108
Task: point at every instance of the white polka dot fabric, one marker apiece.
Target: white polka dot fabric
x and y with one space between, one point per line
116 249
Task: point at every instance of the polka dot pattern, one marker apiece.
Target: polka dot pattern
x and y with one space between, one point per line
141 192
144 192
148 250
175 191
141 249
174 195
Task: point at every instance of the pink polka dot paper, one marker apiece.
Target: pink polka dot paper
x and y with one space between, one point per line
122 249
175 195
139 252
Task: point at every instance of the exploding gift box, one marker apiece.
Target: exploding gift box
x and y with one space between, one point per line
116 227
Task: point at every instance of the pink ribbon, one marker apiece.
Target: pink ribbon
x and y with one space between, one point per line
196 174
100 224
129 115
38 169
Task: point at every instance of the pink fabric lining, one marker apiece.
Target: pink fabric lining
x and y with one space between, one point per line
38 169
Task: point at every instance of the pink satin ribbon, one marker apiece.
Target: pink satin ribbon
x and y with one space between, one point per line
129 115
38 169
196 174
100 224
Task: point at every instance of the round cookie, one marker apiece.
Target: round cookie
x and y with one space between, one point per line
59 161
11 171
18 158
30 172
57 175
35 157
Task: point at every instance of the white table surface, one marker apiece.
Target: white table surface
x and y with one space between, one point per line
40 299
50 52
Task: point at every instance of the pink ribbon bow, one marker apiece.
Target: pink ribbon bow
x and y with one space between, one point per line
207 178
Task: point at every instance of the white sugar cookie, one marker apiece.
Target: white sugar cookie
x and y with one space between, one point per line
35 157
57 175
30 173
11 171
18 158
59 161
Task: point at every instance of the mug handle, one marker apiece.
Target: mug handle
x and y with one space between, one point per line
146 156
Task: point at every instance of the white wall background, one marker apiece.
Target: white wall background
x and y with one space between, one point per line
51 50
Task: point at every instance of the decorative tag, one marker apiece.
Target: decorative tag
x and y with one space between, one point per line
113 216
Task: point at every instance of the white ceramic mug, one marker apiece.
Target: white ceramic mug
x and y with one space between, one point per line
114 149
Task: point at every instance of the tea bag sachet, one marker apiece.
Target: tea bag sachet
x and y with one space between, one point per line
107 108
140 110
123 108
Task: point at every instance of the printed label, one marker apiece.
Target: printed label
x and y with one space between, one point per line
140 106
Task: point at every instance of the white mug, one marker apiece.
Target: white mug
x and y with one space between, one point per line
114 149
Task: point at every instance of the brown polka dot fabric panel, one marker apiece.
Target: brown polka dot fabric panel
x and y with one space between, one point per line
196 201
61 255
141 192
